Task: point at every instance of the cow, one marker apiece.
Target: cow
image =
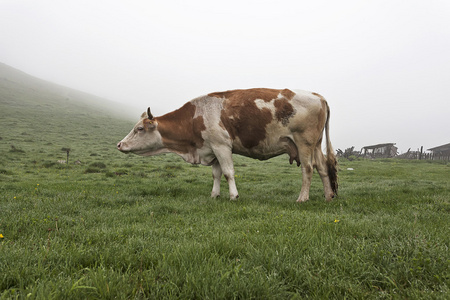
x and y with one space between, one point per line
260 123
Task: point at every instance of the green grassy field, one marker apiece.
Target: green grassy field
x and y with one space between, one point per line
123 226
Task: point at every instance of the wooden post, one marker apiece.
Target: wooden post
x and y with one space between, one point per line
67 150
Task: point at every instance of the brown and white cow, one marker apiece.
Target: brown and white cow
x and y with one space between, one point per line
259 123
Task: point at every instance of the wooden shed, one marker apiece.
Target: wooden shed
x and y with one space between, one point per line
441 152
380 151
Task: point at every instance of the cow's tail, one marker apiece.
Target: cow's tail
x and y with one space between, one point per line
332 164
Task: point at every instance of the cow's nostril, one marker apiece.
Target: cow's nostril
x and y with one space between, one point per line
119 145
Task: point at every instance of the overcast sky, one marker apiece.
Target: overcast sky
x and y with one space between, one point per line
383 66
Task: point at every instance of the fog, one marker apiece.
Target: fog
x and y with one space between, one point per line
383 66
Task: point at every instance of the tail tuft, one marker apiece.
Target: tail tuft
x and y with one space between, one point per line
333 172
331 158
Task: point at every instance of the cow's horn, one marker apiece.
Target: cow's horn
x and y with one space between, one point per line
149 114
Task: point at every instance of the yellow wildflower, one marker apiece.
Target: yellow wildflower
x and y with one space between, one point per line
1 236
336 221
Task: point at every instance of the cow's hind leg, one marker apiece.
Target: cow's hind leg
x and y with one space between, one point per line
306 153
322 168
217 175
225 159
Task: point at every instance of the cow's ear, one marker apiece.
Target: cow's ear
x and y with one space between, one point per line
149 114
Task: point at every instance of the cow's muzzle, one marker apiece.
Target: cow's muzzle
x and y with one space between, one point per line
120 147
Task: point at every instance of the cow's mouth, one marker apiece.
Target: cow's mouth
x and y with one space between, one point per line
137 152
121 148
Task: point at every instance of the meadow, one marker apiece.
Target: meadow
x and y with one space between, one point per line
130 227
127 227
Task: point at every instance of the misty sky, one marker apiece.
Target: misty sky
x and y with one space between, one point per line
383 66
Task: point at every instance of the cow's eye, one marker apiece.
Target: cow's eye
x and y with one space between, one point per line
140 128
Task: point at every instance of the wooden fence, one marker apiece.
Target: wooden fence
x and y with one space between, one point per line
438 157
425 156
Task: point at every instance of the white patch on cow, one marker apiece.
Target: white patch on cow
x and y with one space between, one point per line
268 105
207 106
263 104
210 108
304 94
280 96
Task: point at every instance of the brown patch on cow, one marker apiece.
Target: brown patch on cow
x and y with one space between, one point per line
288 94
252 94
283 111
242 118
179 130
248 122
243 96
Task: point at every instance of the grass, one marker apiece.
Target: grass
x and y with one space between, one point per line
122 226
155 233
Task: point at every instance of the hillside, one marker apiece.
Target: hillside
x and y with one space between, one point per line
41 118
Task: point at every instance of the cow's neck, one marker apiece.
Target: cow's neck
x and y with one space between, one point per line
179 133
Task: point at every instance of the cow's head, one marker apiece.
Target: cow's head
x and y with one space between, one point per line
144 139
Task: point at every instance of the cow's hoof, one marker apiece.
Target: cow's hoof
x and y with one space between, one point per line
234 197
300 200
214 195
330 197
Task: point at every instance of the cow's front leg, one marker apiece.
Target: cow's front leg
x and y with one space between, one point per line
217 175
225 160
